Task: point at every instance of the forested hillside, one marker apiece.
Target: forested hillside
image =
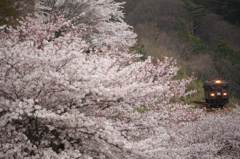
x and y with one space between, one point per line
202 41
228 9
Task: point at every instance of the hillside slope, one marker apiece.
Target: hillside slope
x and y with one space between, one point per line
176 28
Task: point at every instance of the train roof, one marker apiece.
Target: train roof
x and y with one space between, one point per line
215 81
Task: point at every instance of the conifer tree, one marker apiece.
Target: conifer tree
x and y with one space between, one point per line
196 14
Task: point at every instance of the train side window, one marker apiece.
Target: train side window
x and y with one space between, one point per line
225 87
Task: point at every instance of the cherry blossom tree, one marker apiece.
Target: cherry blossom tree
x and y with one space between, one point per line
59 101
104 16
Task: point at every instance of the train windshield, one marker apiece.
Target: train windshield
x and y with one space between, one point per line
219 87
211 87
225 87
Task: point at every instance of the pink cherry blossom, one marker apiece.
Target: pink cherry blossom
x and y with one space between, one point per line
62 98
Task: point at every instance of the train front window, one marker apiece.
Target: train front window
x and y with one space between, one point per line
211 87
219 87
225 87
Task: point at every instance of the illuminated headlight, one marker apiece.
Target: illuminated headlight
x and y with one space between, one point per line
224 94
218 81
212 94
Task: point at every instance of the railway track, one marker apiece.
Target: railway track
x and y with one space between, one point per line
201 103
212 109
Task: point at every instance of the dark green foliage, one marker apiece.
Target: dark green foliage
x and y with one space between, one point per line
181 29
229 9
196 14
182 32
197 44
199 95
224 51
197 85
183 73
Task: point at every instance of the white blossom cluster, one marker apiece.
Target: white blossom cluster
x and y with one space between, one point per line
61 99
105 17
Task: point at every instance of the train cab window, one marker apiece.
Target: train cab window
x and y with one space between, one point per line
211 87
219 88
225 87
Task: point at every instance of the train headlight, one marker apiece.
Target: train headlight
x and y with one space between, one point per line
212 94
225 94
218 81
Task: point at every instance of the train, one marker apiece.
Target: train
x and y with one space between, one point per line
216 92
